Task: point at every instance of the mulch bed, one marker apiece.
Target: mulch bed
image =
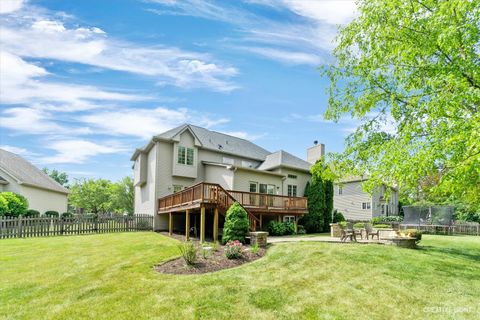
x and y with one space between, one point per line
215 262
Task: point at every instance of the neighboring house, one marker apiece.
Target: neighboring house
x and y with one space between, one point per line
20 176
356 204
223 168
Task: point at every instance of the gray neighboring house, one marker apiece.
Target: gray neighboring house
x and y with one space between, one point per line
20 176
269 185
356 204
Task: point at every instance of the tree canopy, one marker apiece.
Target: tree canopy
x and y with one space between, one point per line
409 72
101 196
60 177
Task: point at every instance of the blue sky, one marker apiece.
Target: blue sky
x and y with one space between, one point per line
83 83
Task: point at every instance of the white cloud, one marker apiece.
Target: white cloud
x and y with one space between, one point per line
77 151
8 6
243 135
288 57
308 35
19 151
145 123
329 11
29 120
37 35
23 82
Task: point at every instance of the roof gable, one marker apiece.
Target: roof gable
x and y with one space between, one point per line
284 159
26 173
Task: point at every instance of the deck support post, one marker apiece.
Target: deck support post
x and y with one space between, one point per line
261 221
279 218
202 224
187 225
215 224
296 224
170 223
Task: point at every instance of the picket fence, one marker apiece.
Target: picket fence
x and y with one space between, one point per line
21 227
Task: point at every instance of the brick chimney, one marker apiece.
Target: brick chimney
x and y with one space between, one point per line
316 152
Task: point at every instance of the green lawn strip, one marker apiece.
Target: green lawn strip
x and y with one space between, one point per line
111 276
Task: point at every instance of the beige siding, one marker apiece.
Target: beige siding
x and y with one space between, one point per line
184 170
38 199
44 200
242 178
349 203
300 181
145 194
220 175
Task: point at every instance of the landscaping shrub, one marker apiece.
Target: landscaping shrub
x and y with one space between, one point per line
3 206
236 224
17 205
301 229
188 252
281 228
359 225
51 213
233 249
381 219
67 215
382 226
337 217
32 213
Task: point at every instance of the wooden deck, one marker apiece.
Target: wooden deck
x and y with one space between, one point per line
211 194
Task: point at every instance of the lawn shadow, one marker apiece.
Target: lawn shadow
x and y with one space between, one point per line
459 253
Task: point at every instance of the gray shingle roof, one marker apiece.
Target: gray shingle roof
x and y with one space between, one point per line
283 158
220 142
26 173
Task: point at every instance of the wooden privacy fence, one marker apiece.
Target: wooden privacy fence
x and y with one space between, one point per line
21 227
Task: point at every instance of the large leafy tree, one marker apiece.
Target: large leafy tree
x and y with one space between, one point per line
409 71
92 195
123 193
60 177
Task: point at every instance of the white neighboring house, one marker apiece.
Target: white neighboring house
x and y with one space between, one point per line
20 176
356 204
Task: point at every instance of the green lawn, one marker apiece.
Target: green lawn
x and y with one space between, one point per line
110 276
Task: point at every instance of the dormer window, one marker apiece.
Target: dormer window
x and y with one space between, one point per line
185 155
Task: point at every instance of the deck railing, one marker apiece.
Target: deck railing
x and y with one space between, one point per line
213 193
261 200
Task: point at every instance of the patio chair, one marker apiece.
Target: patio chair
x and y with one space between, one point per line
370 231
347 233
355 231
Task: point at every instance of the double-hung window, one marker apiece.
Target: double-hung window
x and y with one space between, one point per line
366 205
185 155
292 190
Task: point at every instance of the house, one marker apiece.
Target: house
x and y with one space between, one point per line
356 204
20 176
188 176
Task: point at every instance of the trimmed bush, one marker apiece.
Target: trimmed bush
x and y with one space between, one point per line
236 224
382 226
17 205
382 219
67 215
51 213
281 228
337 217
32 213
233 249
3 206
359 225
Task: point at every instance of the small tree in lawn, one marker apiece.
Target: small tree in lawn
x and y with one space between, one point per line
236 224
